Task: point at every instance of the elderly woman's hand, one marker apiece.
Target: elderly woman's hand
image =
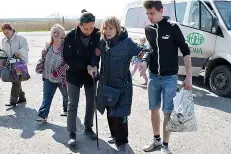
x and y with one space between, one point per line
92 71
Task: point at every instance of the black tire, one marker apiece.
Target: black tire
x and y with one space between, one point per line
220 80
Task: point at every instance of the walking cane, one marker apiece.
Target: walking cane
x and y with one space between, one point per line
96 119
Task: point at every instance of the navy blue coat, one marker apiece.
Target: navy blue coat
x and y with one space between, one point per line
116 62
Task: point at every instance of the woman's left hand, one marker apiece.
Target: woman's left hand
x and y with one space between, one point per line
17 54
52 76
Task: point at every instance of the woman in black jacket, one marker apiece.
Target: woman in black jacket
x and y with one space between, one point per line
79 47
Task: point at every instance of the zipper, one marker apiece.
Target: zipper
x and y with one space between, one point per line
158 49
10 48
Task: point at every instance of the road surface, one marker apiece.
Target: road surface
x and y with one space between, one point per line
21 134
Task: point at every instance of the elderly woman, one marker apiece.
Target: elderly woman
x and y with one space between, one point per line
15 45
54 72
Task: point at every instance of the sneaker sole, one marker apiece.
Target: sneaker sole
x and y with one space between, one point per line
153 149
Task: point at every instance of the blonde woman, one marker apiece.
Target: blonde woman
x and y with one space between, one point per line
54 72
14 44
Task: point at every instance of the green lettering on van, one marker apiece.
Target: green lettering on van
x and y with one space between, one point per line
196 50
195 39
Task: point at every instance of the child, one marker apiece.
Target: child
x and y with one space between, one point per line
136 62
117 52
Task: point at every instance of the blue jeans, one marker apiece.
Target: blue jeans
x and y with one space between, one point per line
165 86
49 90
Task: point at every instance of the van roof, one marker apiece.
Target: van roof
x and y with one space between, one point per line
139 3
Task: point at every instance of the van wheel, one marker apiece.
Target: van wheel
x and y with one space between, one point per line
220 80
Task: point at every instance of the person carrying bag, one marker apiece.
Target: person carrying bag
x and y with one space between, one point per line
15 45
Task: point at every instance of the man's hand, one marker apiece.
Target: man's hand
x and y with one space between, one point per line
143 67
188 83
92 71
98 52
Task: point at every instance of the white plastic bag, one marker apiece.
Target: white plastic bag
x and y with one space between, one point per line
183 116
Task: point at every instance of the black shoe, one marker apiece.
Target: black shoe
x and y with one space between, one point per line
90 133
23 100
72 140
11 104
64 114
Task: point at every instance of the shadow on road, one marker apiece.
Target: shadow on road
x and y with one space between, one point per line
140 86
24 119
204 97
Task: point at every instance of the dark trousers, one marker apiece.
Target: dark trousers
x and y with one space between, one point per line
119 129
74 93
16 92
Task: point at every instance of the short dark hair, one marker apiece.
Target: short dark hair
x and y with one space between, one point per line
149 4
86 17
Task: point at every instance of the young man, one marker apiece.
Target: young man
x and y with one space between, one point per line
164 38
79 47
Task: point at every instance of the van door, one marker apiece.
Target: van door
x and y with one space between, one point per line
196 20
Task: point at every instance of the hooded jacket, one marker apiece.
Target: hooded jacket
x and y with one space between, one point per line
115 61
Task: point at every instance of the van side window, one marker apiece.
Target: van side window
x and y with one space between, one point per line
199 17
136 18
131 20
206 19
194 15
180 11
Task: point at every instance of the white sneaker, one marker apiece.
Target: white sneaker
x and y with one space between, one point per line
72 142
40 119
165 150
152 145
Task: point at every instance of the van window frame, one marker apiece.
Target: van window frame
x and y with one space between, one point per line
200 3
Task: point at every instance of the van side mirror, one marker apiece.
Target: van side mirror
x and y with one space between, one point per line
215 25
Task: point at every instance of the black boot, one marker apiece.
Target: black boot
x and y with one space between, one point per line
21 100
90 133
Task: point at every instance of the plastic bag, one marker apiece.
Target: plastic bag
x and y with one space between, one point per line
183 116
21 71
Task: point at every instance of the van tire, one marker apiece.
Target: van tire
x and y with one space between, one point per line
220 80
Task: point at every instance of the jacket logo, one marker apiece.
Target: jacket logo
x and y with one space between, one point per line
166 37
69 46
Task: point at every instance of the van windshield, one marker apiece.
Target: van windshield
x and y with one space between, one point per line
224 8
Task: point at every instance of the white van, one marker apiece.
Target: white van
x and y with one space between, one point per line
206 25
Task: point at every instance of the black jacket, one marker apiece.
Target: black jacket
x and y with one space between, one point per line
162 59
78 57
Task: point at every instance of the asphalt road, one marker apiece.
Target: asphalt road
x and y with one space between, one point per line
21 134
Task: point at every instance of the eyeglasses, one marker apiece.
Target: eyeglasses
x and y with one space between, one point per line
87 19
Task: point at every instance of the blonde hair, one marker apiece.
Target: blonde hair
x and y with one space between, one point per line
112 21
52 30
